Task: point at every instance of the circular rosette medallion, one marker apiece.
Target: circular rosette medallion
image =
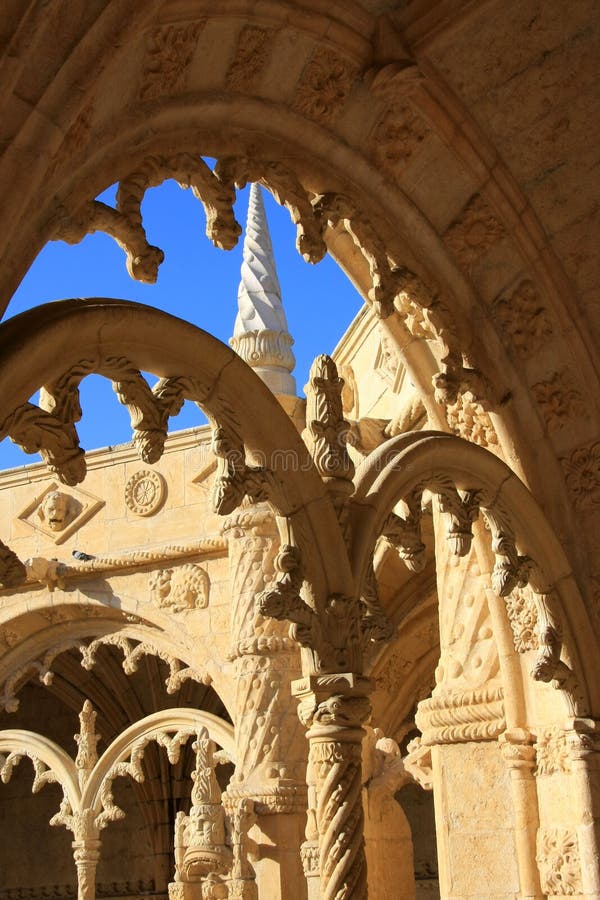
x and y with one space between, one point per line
145 492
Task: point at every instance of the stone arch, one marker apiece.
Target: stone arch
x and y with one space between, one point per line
88 804
417 460
36 655
227 389
375 87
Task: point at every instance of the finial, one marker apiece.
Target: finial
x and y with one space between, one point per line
261 335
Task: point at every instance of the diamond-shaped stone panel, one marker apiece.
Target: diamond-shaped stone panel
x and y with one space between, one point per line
58 513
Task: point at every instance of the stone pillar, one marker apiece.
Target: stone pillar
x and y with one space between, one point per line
568 782
271 749
474 822
473 793
583 741
519 757
86 854
334 708
388 839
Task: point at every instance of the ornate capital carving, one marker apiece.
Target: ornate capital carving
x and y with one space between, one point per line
457 716
265 348
336 703
518 749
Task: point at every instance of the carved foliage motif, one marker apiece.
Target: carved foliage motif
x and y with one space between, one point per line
87 742
250 57
326 428
396 138
234 479
521 609
169 52
180 589
559 400
334 636
474 232
552 752
582 474
324 86
510 569
404 533
524 319
559 862
469 420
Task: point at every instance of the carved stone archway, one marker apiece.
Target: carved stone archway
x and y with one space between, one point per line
88 805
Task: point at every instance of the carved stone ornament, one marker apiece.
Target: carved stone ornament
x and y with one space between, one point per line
169 52
559 400
397 137
559 862
58 514
524 319
145 492
326 428
582 474
252 51
552 752
472 234
183 588
521 609
458 716
469 420
324 85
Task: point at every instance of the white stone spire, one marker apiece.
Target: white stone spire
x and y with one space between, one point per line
261 335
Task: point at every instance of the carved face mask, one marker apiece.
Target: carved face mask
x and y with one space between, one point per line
54 510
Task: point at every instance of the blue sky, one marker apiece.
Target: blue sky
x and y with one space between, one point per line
197 282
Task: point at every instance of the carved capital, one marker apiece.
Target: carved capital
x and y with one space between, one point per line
265 348
582 738
333 703
518 750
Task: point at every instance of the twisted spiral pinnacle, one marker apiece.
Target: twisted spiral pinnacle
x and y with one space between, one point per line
259 293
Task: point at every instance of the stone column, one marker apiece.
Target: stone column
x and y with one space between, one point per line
583 742
568 785
271 750
388 838
86 854
519 757
475 826
334 709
